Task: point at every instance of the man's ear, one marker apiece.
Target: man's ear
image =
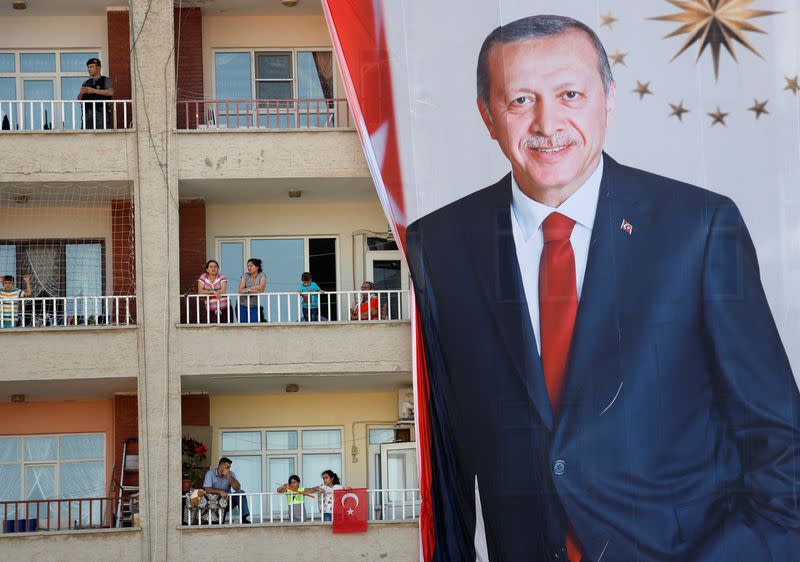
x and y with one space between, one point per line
487 118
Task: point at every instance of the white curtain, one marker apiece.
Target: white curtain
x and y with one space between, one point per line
43 264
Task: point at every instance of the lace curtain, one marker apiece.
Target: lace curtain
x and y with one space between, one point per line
43 264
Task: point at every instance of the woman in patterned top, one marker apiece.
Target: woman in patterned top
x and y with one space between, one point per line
214 284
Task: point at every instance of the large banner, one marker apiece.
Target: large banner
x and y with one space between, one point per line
604 349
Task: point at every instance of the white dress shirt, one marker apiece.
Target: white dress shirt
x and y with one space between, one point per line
527 217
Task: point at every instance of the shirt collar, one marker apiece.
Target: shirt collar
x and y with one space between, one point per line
581 206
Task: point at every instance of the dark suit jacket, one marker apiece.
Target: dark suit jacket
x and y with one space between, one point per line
677 437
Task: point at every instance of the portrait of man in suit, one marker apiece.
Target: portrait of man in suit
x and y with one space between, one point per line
606 380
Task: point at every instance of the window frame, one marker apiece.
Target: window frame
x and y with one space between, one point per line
62 265
253 51
247 240
297 453
57 461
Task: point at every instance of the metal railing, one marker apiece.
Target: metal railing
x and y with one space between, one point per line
32 312
333 306
402 504
66 115
59 514
332 113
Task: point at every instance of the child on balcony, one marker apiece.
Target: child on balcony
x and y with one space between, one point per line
310 302
330 482
295 497
8 305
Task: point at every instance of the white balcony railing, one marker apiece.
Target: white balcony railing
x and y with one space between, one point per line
334 306
66 115
331 113
271 507
32 312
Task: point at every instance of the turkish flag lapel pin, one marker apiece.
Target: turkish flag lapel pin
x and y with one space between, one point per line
626 227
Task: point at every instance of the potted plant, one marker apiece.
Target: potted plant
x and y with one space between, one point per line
194 453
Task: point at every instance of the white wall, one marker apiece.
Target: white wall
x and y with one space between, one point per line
42 33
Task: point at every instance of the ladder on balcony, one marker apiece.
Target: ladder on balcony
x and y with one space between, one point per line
128 484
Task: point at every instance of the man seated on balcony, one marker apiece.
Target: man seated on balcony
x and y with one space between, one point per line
8 306
368 305
95 90
220 481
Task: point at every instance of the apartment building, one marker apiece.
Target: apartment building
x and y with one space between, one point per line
228 137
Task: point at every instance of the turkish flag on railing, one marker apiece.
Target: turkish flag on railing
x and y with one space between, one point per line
350 510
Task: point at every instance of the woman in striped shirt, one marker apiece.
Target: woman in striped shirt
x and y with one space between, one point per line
214 284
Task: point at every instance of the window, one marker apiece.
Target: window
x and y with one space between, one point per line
284 260
294 88
58 268
281 453
40 76
51 467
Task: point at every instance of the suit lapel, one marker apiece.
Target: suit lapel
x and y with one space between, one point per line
597 332
494 260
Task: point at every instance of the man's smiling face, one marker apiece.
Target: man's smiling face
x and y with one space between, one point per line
548 112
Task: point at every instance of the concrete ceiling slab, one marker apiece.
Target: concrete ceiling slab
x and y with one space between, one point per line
308 382
264 190
72 389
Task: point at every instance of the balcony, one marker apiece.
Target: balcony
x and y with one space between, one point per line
21 116
271 508
264 114
30 516
67 312
285 307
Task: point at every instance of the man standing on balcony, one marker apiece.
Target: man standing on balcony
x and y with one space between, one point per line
221 481
8 306
96 90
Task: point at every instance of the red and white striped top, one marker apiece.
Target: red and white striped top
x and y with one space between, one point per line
214 302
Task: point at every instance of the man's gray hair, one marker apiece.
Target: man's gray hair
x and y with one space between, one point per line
536 27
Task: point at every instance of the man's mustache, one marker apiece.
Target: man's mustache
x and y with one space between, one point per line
559 139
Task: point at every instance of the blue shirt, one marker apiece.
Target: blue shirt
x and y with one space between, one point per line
310 288
214 480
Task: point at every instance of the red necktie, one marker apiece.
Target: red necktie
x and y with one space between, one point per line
558 306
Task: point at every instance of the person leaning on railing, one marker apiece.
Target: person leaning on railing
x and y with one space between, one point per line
252 282
294 497
330 483
310 303
8 305
368 306
98 91
214 284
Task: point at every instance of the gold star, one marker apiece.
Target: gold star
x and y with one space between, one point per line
759 108
642 89
678 110
717 23
608 21
618 58
718 117
792 84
